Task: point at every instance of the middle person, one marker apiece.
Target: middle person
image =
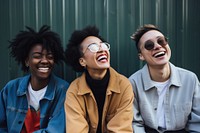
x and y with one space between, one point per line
101 99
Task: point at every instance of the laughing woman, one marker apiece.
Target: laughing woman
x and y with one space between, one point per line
35 102
100 100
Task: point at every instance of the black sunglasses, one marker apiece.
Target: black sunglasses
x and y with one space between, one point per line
149 45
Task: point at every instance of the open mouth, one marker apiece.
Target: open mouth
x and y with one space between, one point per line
102 58
159 54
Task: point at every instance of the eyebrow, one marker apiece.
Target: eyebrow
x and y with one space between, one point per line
35 53
96 42
157 37
41 53
160 37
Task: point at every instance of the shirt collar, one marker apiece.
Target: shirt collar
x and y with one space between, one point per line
174 77
50 92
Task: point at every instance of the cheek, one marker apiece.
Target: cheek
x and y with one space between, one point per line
144 54
89 55
169 52
89 58
32 62
51 61
168 48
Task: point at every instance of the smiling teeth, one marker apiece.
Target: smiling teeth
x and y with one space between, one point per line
43 69
102 57
159 54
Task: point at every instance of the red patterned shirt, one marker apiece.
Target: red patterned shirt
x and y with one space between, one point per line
32 121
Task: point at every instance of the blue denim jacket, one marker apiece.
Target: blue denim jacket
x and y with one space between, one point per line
14 106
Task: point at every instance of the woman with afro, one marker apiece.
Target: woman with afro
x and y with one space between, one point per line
35 102
100 100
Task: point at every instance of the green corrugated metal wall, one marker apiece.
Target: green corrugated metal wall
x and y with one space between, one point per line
116 19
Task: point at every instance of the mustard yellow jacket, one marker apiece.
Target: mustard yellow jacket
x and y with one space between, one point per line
81 108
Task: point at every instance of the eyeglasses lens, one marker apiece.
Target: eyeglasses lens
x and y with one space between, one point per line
105 46
162 41
149 45
95 47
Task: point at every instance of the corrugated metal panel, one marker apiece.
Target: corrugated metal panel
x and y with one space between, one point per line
117 20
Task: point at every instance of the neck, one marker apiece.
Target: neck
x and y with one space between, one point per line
38 84
97 74
160 73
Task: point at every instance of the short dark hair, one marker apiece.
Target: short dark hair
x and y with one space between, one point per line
141 31
74 50
23 42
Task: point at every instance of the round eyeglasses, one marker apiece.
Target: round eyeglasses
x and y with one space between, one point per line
94 47
149 45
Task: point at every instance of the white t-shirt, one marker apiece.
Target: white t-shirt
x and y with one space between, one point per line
34 97
161 90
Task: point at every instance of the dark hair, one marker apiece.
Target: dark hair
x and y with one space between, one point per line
23 42
74 50
141 31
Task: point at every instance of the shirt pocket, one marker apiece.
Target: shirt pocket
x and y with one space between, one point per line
182 112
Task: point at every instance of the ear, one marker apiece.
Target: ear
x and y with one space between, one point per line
27 63
141 57
82 62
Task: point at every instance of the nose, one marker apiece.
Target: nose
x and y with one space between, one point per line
100 48
156 46
44 59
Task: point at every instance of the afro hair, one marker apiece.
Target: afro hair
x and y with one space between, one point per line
23 42
73 51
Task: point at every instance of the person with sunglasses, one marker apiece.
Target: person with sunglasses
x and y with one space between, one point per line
100 100
34 102
166 97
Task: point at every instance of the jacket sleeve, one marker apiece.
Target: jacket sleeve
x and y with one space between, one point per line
138 123
75 116
121 121
3 125
193 124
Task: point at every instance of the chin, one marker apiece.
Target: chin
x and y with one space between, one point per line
104 67
44 76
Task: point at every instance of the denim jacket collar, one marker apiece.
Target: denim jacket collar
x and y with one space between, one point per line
23 87
50 92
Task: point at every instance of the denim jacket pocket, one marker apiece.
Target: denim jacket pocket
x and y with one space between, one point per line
182 112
